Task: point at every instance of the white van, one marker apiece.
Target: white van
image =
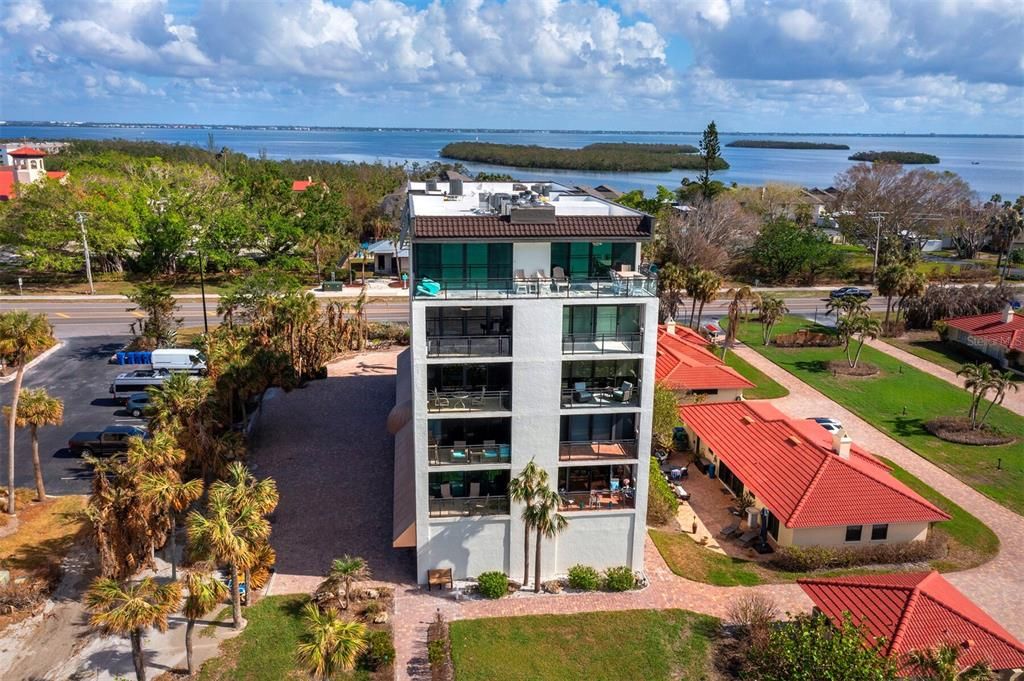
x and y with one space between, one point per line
185 359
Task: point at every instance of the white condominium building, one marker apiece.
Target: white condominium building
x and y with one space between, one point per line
534 334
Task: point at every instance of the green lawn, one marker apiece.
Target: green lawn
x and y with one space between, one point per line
609 646
928 346
898 402
765 388
688 559
265 650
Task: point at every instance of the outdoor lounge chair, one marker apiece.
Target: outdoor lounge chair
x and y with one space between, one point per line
440 402
429 288
519 282
490 451
459 452
624 393
729 530
748 537
559 280
580 393
478 400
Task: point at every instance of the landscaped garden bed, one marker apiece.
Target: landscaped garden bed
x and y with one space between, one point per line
843 368
960 431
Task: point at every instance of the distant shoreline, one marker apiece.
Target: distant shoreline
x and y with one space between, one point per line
786 144
367 128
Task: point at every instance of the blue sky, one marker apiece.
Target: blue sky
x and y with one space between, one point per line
944 66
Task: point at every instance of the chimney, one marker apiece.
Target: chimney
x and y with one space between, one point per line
842 444
1007 315
670 326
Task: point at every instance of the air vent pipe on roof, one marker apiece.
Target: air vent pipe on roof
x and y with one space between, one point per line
842 444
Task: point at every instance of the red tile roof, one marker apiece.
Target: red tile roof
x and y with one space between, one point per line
993 329
6 183
301 185
56 174
912 611
685 363
791 467
499 227
26 152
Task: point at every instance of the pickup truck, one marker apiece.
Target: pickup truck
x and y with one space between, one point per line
110 440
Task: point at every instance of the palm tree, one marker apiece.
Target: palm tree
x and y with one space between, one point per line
36 409
864 327
1000 382
942 664
344 572
523 489
706 288
890 280
771 309
977 380
131 608
671 284
733 328
22 335
204 593
329 644
547 522
259 495
165 490
227 534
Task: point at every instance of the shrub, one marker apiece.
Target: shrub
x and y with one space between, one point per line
388 332
808 558
619 579
1017 256
942 302
492 584
584 578
661 501
753 610
373 608
379 653
436 652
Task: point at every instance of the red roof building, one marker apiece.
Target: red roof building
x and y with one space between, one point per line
301 185
994 334
56 174
915 611
817 488
684 364
7 183
26 152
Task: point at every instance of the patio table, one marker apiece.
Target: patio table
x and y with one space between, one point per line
459 399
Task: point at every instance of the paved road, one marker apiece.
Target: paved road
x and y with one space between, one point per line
105 317
78 373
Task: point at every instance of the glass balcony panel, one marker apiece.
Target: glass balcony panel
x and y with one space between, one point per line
585 395
615 285
465 400
464 454
468 506
602 343
597 500
596 450
469 346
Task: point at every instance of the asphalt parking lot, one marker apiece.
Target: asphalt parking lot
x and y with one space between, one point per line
79 374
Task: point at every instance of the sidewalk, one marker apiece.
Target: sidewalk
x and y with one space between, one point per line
352 292
1014 401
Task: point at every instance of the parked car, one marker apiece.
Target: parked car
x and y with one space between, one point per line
137 404
829 424
179 359
133 382
110 440
850 292
712 333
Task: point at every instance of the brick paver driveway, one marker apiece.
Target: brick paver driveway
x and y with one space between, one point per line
327 447
995 586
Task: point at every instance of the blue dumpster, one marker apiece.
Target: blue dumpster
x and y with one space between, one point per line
147 358
133 358
120 357
711 471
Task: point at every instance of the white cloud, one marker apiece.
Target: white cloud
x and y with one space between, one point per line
25 16
799 24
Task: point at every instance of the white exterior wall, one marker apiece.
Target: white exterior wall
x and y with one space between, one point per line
836 536
530 257
475 544
723 395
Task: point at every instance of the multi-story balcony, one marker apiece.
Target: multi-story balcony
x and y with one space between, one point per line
596 488
469 387
468 493
480 331
597 437
601 329
538 285
600 383
455 442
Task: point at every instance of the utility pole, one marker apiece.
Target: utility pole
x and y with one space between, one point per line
81 215
878 243
202 289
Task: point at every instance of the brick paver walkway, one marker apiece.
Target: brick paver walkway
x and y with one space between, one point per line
996 585
1014 401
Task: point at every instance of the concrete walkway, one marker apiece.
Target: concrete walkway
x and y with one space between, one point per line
1014 401
994 586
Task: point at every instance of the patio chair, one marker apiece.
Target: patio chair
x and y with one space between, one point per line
429 288
519 282
558 279
729 530
490 452
459 452
446 490
580 393
618 285
748 537
478 400
440 402
624 393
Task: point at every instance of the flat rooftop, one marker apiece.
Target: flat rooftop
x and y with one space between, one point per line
519 210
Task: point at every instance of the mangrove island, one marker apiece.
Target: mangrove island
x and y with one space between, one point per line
784 144
617 157
901 157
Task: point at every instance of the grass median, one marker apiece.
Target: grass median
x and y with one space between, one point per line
632 644
898 401
764 387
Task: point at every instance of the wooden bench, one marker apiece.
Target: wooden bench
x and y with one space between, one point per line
441 578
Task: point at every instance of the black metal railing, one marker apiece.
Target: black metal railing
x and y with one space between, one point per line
455 507
469 400
443 455
597 500
601 397
601 343
612 286
581 450
469 346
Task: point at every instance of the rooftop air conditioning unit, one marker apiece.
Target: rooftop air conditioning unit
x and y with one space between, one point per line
431 185
518 187
536 188
532 215
455 188
484 201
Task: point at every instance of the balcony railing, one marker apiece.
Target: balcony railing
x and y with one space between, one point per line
596 450
469 400
441 455
468 506
619 285
469 346
601 343
601 397
597 500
